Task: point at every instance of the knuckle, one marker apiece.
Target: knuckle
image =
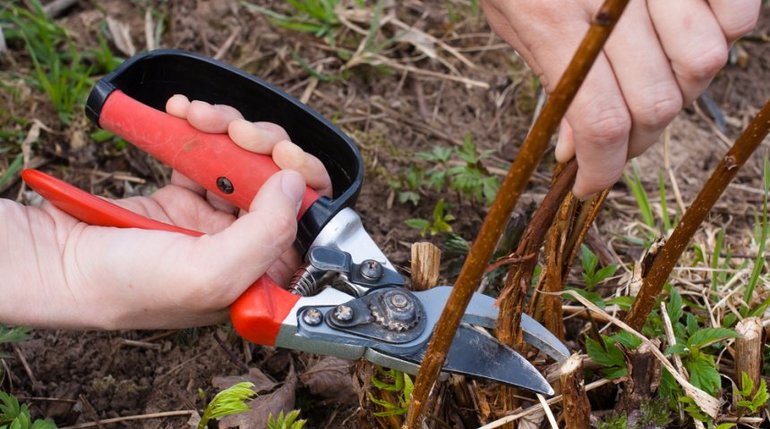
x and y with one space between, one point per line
609 126
215 285
658 110
741 25
284 227
702 66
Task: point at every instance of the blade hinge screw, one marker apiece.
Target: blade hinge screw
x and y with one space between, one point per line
312 316
371 269
343 313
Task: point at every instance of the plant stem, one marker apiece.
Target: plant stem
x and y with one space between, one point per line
515 181
748 352
577 409
669 254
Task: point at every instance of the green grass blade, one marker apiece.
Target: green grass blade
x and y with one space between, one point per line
12 170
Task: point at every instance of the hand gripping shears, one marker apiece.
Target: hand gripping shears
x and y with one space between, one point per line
347 300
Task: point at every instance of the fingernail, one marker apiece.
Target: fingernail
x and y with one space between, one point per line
293 186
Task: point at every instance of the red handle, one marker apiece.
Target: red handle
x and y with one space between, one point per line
257 314
211 160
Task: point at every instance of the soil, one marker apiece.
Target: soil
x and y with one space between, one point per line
76 377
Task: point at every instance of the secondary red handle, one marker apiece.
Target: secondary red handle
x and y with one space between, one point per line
211 160
257 314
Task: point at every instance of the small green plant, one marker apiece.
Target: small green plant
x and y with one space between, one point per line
439 224
591 276
233 400
747 401
461 169
17 416
10 334
613 421
692 345
407 186
61 71
318 17
609 354
401 384
285 421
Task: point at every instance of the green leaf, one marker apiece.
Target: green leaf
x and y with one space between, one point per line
693 410
624 302
416 223
594 297
232 400
612 356
615 372
747 386
674 306
588 259
677 348
708 336
605 273
43 424
628 339
13 334
703 373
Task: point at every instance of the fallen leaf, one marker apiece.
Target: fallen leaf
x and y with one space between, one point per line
121 35
282 399
419 40
262 383
3 46
330 377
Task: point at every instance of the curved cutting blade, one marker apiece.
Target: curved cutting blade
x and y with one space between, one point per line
482 311
477 354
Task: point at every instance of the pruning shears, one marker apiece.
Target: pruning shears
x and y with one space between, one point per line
347 300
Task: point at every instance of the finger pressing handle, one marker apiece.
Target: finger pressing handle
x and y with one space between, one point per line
257 314
211 160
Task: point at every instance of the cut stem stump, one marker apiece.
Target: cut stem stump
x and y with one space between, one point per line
577 410
748 352
426 263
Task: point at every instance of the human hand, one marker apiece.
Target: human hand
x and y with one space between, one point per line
70 274
661 56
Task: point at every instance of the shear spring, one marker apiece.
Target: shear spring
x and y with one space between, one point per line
309 280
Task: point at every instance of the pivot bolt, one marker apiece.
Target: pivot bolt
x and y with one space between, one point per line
371 269
399 300
343 313
312 316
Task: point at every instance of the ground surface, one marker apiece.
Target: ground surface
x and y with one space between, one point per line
392 111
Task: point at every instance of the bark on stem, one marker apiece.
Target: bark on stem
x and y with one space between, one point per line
515 181
748 351
577 410
668 256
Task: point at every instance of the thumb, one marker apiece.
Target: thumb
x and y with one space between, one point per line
245 250
565 144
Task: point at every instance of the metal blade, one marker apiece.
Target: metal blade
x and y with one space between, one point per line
478 355
482 311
